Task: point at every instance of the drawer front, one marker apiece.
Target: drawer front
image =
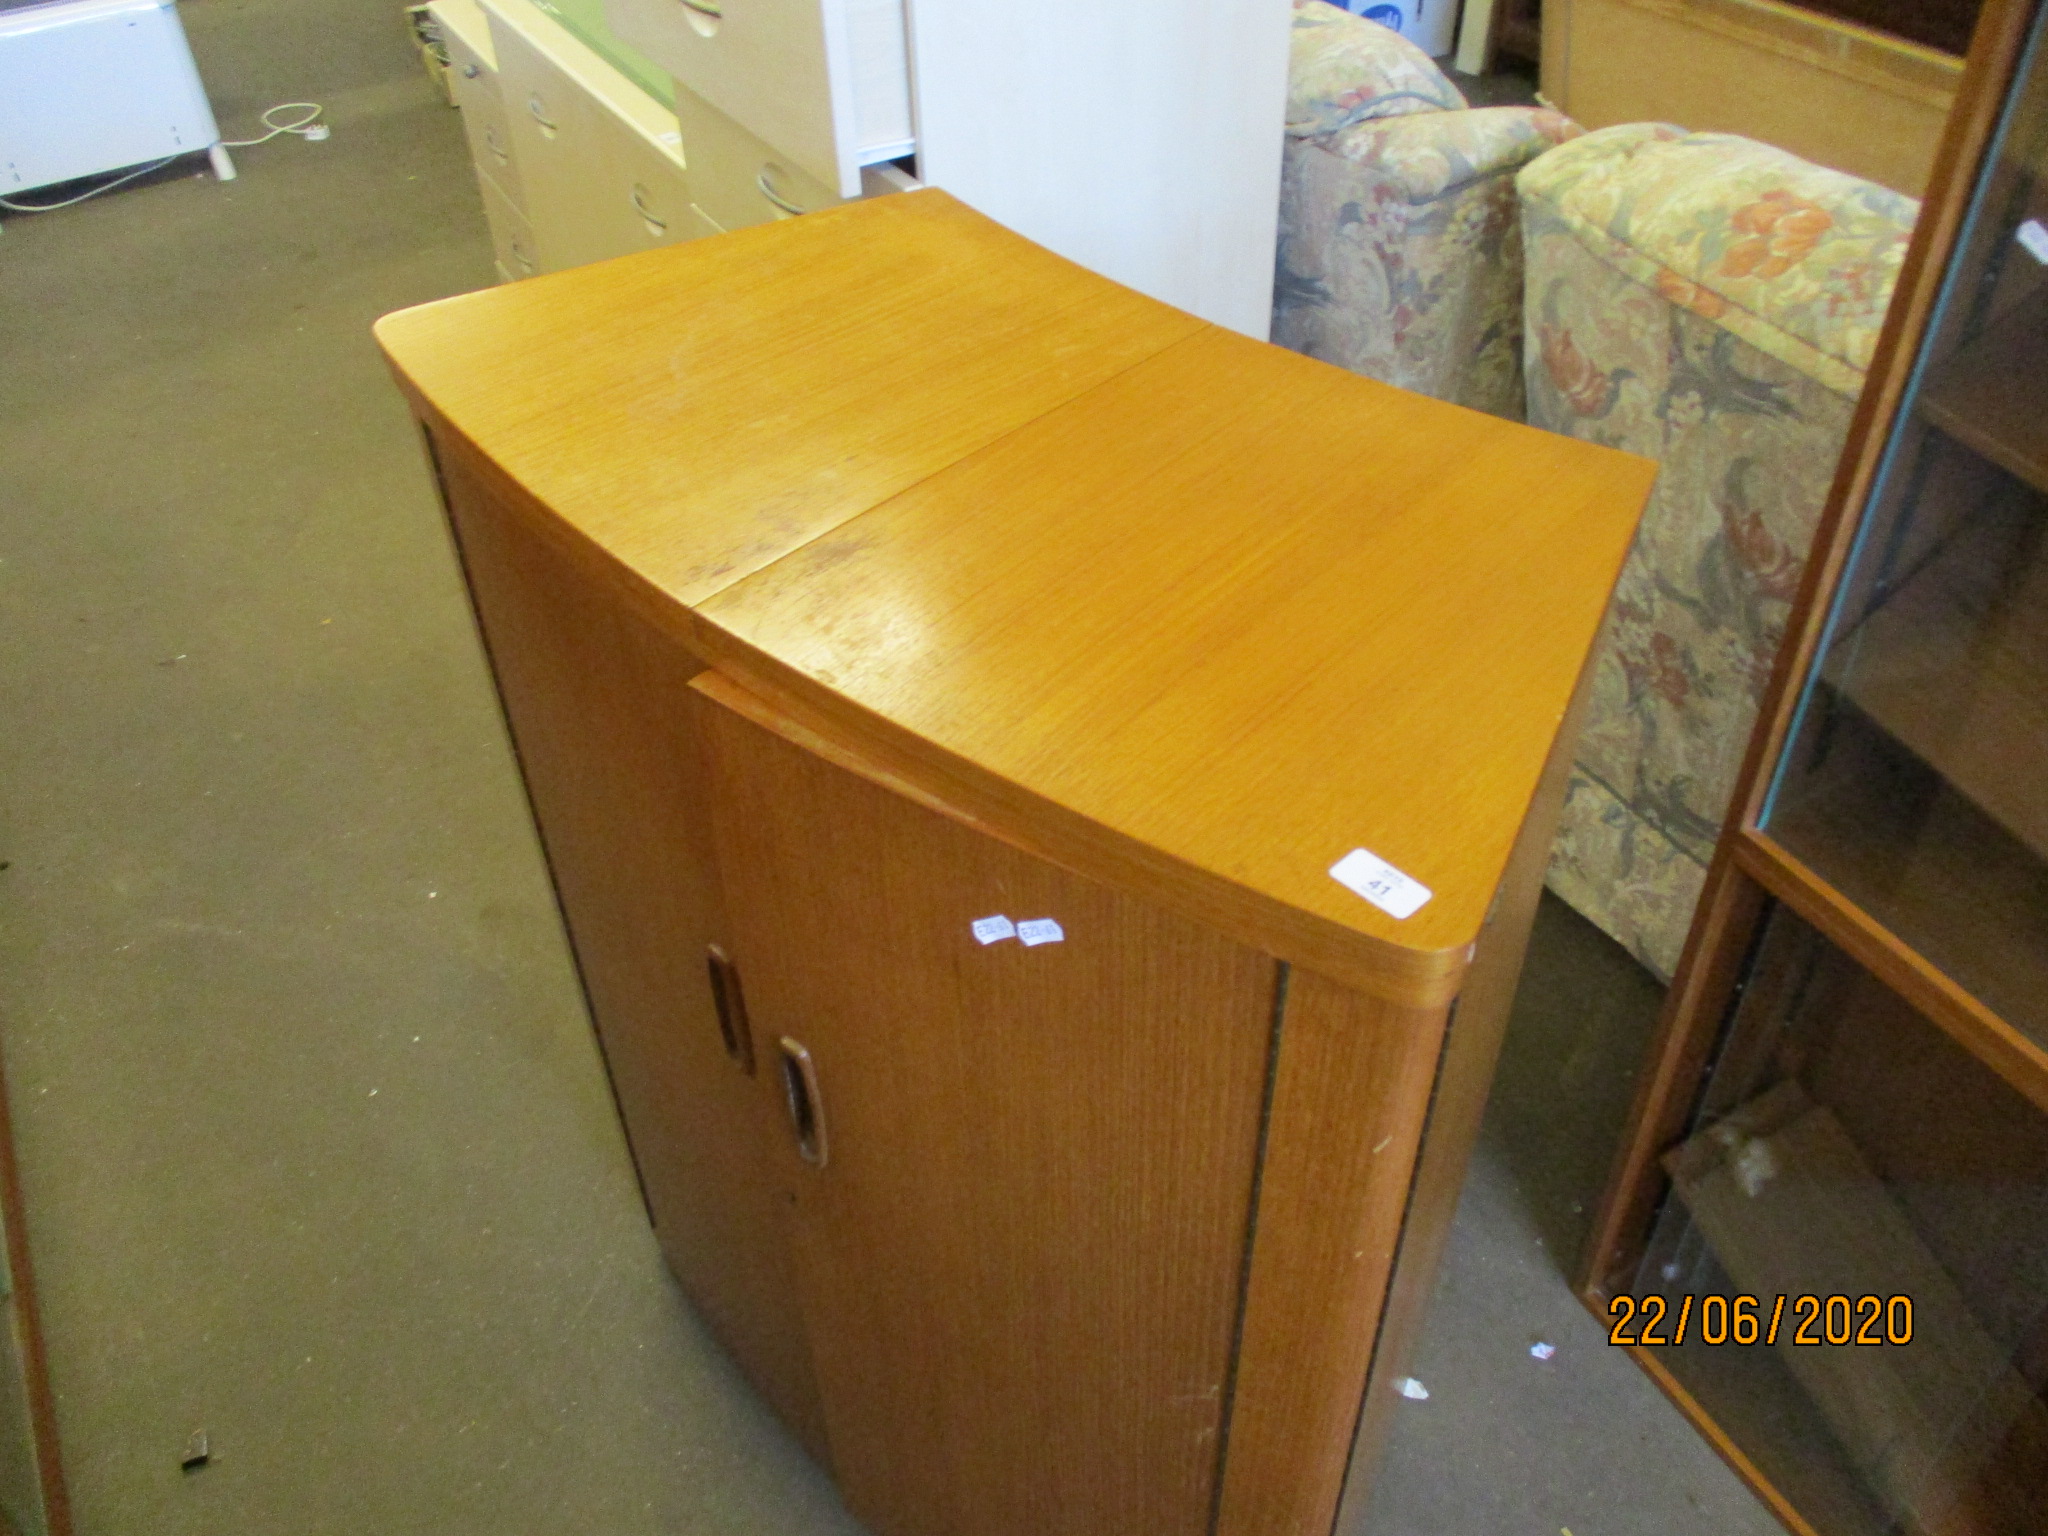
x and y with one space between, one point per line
511 235
475 82
825 82
735 178
649 193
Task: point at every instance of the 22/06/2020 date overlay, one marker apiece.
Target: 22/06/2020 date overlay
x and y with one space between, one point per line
1715 1319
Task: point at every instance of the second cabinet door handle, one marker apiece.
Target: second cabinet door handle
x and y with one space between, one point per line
731 1004
806 1105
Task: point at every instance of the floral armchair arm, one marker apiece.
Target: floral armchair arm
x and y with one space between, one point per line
1345 70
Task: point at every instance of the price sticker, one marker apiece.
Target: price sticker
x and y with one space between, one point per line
1372 877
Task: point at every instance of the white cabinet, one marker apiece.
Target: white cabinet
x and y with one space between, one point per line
826 82
1140 138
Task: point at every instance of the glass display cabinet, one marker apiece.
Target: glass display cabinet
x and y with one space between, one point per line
1827 1237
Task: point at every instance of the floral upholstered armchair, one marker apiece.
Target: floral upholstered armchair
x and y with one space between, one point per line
1712 303
1400 250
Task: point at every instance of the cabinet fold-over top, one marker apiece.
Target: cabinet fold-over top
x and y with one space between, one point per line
1189 613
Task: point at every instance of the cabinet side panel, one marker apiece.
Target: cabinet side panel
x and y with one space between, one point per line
1464 1082
594 696
1350 1094
1021 1260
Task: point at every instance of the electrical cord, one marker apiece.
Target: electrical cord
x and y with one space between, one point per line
308 126
140 170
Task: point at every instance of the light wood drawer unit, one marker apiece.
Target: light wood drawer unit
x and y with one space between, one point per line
826 82
735 178
599 162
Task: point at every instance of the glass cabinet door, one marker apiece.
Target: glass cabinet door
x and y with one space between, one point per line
1849 1273
1916 776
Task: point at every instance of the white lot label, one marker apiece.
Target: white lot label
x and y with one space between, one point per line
991 929
2034 236
1380 883
1040 930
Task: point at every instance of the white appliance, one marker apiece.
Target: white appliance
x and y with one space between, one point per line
88 86
1429 23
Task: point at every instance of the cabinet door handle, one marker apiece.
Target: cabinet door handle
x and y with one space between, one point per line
767 189
731 1004
660 226
708 8
539 114
471 71
806 1106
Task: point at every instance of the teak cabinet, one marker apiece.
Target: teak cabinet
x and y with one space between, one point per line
853 580
1844 1126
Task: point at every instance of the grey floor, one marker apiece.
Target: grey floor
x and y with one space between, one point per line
317 1150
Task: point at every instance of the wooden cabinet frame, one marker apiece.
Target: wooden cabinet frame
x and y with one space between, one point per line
1125 526
1750 868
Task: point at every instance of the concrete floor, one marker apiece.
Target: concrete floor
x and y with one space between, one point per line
317 1149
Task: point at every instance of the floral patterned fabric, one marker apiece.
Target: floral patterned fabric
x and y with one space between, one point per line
1345 69
1797 260
1720 327
1401 250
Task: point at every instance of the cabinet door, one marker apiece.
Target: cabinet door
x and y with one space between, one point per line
1022 1225
595 698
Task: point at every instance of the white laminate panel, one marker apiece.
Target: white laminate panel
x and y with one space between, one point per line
881 79
1141 139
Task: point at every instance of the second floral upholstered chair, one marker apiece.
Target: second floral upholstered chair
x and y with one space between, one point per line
1710 302
1400 250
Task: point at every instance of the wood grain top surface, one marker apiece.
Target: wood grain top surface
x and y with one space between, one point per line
702 409
1203 616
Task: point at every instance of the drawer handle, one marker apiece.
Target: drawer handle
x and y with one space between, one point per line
491 143
708 8
767 189
659 226
806 1107
731 1004
523 261
539 113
